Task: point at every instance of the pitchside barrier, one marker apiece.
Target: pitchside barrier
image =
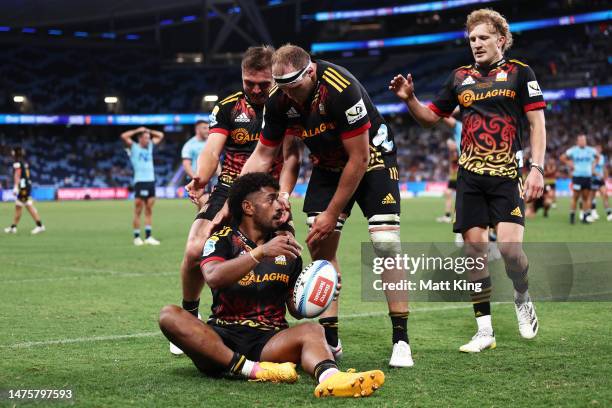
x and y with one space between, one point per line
408 189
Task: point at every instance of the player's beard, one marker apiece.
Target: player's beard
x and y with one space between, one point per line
269 225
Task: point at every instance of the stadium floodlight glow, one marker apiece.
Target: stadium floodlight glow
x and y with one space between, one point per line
28 30
111 99
109 36
81 34
188 18
55 32
132 37
454 35
166 22
390 11
5 28
19 99
211 98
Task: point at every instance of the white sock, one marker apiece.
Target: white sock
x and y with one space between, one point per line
247 368
327 373
521 297
484 323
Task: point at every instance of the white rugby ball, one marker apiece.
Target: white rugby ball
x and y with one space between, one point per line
314 289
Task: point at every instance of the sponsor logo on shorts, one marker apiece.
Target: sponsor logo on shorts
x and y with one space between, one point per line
389 199
322 292
517 212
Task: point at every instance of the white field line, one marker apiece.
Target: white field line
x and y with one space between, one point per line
30 344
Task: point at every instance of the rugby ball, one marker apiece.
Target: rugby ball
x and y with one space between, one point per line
314 289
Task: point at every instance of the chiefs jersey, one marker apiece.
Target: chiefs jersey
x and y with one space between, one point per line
493 101
258 299
241 122
340 108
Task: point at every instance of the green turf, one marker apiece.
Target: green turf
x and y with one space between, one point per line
83 282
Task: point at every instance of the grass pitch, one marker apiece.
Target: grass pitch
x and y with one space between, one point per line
79 307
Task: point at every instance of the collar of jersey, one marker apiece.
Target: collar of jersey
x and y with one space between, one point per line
488 68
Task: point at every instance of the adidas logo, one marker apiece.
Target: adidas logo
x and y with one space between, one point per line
517 212
468 81
292 113
389 199
242 118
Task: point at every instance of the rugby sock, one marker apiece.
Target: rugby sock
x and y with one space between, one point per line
147 231
520 298
572 217
593 204
399 322
330 324
608 211
240 365
519 277
447 214
39 223
481 302
136 233
191 306
13 225
324 369
492 235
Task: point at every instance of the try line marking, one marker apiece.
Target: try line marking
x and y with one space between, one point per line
30 344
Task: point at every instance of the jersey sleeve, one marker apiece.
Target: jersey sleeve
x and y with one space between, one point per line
530 94
220 119
569 153
348 108
186 151
274 123
445 101
216 248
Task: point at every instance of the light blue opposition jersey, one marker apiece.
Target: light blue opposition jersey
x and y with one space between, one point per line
142 162
599 167
583 158
457 134
191 150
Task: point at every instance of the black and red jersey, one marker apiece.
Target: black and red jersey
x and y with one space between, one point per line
340 108
493 102
241 122
258 299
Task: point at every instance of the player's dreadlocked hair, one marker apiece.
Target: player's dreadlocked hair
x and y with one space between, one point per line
496 20
245 185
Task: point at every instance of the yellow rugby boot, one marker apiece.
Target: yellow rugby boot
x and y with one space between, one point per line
350 384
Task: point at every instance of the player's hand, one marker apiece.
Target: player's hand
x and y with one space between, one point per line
195 190
323 225
141 129
534 186
222 216
402 86
282 245
15 190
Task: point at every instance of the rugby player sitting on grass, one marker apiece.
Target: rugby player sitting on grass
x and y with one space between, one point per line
251 271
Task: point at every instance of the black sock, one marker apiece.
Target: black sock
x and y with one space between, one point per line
572 217
519 278
147 231
399 321
136 233
322 366
608 211
447 214
13 225
481 300
330 324
593 204
492 235
235 366
191 306
39 223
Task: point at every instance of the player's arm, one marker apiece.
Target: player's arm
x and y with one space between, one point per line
187 167
597 157
222 273
156 136
129 134
534 184
292 159
358 151
208 161
16 177
403 87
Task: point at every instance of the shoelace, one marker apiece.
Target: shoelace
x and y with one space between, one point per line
481 333
524 311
